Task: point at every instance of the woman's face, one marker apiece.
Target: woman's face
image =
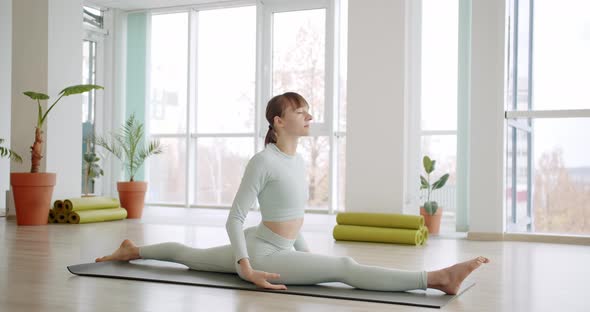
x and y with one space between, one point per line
295 121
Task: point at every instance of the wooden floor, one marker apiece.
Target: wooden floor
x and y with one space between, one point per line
33 276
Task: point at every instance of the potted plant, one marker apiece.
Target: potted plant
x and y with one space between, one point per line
91 168
32 191
431 211
127 145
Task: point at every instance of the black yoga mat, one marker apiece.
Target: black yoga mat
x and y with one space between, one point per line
158 271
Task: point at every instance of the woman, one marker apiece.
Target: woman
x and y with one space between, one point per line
274 253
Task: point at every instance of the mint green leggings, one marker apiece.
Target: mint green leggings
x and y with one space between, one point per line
273 253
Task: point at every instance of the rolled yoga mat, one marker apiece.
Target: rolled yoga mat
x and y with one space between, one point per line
51 217
61 217
90 203
377 234
166 272
388 220
58 205
97 215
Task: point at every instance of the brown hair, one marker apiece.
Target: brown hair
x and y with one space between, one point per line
276 107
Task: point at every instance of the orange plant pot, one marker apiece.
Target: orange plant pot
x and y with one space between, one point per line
32 196
432 222
132 197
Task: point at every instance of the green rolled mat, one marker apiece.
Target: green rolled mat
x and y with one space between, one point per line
58 204
90 203
425 233
377 234
61 217
97 215
388 220
51 217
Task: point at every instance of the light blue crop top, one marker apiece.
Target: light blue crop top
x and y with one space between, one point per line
279 182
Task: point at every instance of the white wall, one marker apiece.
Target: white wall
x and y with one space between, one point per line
375 133
5 93
64 125
47 56
486 122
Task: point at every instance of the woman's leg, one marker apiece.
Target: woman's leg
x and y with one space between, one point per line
301 268
216 259
304 268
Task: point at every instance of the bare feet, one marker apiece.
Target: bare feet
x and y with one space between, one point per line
127 251
449 279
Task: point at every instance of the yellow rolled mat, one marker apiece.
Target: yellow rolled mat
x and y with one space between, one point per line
97 215
424 233
90 203
61 217
388 220
51 217
377 234
58 204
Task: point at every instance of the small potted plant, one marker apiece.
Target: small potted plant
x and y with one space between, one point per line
127 145
431 211
32 191
91 168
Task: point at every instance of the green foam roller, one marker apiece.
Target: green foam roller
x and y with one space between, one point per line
377 234
97 215
388 220
90 203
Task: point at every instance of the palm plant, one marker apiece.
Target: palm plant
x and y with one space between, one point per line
7 152
127 145
431 206
37 148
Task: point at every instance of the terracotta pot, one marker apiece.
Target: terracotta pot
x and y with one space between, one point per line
32 196
432 222
132 196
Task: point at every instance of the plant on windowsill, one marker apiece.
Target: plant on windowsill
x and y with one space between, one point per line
127 145
431 211
32 191
91 168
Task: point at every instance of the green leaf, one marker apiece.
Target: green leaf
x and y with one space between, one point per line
423 183
36 95
440 182
427 164
77 89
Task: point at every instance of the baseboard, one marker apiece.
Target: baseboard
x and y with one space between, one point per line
534 238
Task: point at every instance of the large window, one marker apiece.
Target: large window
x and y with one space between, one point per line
92 73
438 109
208 95
548 110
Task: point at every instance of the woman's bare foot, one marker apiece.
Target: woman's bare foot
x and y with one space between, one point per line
449 279
127 251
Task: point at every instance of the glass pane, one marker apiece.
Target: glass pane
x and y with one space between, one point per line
443 149
298 52
510 103
520 215
168 73
522 96
167 173
315 152
88 104
561 176
343 66
439 64
561 39
341 173
220 166
510 141
226 70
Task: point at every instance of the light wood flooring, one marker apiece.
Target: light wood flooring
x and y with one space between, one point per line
33 276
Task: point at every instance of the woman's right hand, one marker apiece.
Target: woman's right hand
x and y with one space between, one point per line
260 279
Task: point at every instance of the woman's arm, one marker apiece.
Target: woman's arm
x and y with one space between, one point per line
250 186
